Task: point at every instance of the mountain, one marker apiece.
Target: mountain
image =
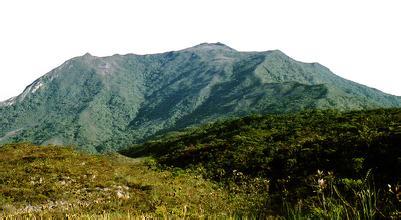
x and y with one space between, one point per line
105 103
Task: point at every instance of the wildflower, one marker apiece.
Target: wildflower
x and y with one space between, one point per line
321 183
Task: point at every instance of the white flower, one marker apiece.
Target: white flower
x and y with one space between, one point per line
322 183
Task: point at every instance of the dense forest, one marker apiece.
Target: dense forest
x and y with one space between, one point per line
315 164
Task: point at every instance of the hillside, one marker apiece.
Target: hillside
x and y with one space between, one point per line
105 103
312 164
58 182
323 164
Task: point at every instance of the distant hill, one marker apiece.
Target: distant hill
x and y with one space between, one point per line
296 144
104 103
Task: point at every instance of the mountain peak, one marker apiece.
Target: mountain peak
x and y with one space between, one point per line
87 55
211 46
217 44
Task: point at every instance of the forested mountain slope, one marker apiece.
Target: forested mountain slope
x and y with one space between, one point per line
105 103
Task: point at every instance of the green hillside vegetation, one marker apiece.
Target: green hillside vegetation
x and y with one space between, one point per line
316 164
103 104
59 182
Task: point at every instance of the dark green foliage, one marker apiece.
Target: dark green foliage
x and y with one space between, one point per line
103 104
287 150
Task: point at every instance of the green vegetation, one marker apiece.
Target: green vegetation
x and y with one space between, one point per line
315 164
309 165
312 156
59 181
103 104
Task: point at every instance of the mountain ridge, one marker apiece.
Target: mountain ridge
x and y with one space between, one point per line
104 103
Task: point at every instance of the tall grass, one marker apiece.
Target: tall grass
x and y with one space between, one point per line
331 203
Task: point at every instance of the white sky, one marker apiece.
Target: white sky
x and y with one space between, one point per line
357 39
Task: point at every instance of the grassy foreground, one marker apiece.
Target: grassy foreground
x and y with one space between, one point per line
60 182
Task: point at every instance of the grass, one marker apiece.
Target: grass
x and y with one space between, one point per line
59 181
